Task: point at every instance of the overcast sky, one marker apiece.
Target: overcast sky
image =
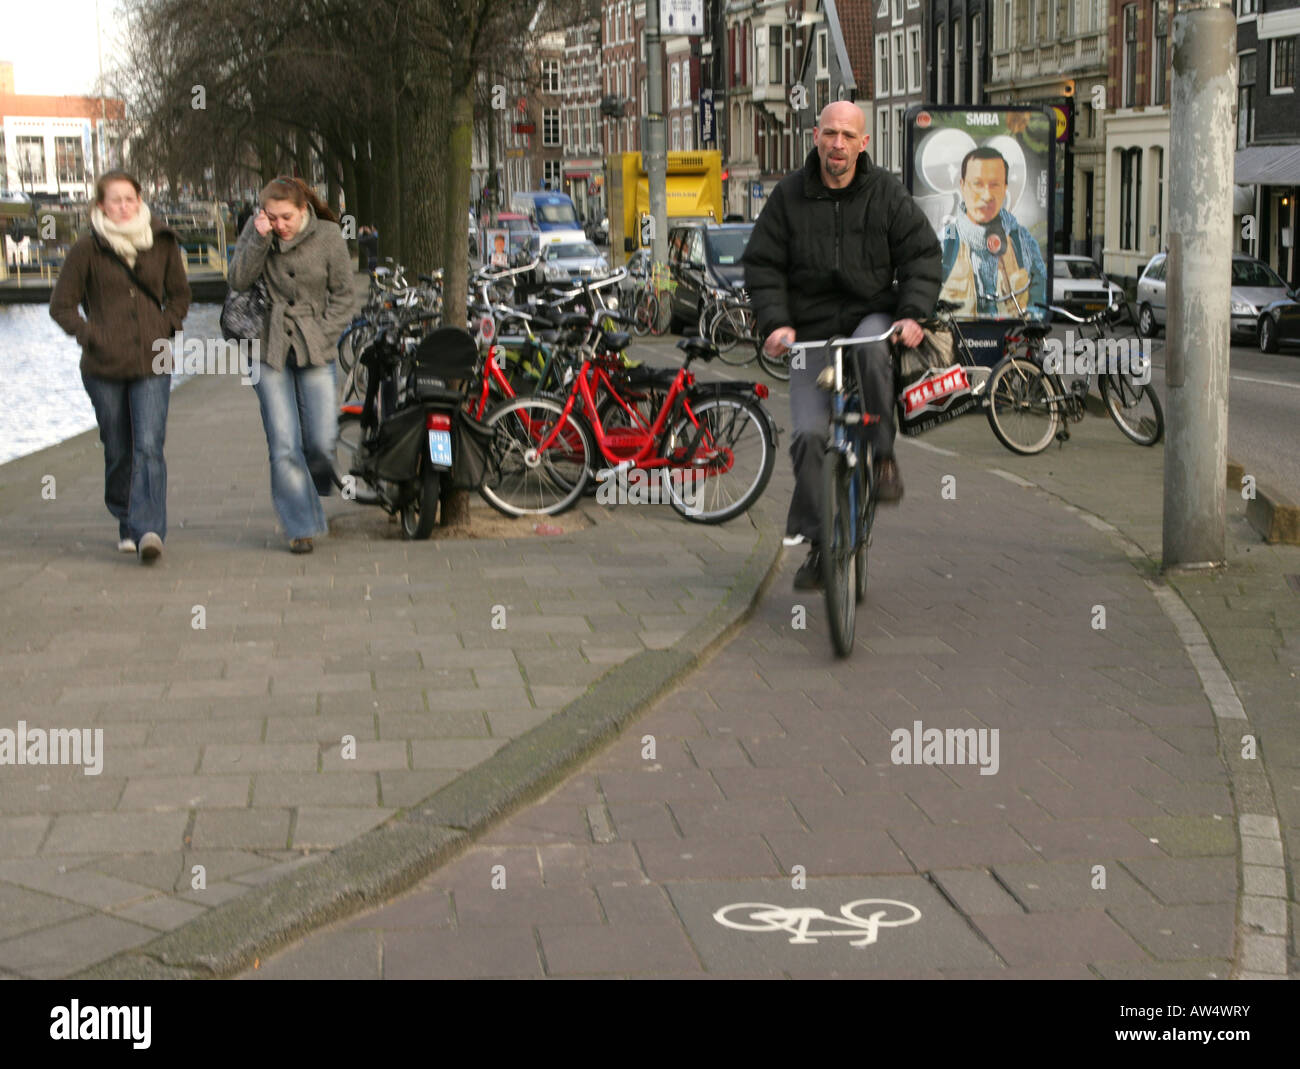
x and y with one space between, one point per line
51 44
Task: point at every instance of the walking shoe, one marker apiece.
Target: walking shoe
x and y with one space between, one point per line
150 548
809 575
300 545
889 484
127 545
793 540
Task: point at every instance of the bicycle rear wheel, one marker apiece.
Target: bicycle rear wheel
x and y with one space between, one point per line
645 315
722 460
1135 409
520 480
1021 409
839 558
776 366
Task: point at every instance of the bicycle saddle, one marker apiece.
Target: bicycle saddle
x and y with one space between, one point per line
700 347
656 377
1034 330
946 306
615 341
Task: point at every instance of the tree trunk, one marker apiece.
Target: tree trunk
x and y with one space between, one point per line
460 158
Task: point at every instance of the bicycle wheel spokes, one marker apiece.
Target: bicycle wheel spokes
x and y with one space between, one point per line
525 479
838 551
1134 408
731 333
1021 411
722 460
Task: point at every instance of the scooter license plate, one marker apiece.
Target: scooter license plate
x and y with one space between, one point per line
440 447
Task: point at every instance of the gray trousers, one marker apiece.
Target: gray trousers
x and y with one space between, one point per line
810 413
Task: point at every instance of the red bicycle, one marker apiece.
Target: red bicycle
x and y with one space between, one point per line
711 445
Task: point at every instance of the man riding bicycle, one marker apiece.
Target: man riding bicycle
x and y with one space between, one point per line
839 249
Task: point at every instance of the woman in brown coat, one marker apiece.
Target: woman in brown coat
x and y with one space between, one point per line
129 277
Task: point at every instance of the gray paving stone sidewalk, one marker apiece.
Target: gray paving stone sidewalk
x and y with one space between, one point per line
771 832
226 678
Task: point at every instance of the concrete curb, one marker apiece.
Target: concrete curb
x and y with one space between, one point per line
1274 516
393 857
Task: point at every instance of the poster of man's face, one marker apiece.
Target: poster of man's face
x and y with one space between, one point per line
496 244
984 179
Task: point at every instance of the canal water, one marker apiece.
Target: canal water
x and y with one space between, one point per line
44 400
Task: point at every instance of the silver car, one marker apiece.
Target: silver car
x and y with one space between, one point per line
1254 286
1079 286
569 261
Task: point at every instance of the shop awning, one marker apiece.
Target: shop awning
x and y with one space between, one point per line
1268 165
578 174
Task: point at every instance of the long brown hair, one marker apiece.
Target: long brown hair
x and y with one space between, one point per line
298 193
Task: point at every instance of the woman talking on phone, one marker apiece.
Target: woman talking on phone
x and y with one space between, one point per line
294 243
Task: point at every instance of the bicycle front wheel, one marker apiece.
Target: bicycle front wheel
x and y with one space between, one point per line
839 555
1135 409
776 366
1022 412
523 480
646 315
722 455
867 507
730 332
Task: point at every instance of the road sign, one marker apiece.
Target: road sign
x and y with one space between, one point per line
1062 122
756 190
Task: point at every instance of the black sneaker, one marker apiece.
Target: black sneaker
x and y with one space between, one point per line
809 575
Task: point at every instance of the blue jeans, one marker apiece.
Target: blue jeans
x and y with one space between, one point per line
132 417
300 414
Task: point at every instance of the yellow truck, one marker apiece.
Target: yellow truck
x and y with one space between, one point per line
694 187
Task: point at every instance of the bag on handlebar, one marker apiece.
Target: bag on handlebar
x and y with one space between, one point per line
933 389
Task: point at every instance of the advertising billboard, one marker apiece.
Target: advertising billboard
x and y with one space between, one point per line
986 178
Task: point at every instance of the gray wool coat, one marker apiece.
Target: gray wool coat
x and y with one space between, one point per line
311 282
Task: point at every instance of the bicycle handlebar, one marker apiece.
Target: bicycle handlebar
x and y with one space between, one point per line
840 343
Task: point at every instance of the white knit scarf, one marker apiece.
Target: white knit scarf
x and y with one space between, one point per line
125 239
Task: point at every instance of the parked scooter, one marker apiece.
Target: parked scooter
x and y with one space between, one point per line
396 447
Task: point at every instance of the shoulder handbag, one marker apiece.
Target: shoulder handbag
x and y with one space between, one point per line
243 316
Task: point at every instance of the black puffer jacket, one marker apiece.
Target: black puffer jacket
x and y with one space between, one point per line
820 263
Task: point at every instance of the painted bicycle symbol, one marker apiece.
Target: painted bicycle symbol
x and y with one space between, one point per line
798 920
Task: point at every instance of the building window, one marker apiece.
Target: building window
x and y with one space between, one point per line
823 93
674 91
1284 65
882 139
643 98
31 161
775 43
1091 15
823 61
1130 199
1245 99
941 67
551 76
552 174
882 65
1051 21
1159 51
550 127
898 138
677 134
1129 98
1246 7
1032 34
1002 25
914 59
976 58
1158 157
898 11
688 133
686 81
900 63
958 60
69 160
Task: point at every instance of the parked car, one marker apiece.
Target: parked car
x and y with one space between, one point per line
1254 285
703 256
1080 286
1279 324
598 232
570 261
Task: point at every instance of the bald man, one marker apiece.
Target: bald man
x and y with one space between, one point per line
839 249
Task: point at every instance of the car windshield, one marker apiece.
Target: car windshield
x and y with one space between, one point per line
571 252
1254 273
1077 269
557 213
727 246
